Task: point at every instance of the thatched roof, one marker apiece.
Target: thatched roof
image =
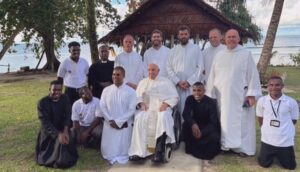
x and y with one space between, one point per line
167 16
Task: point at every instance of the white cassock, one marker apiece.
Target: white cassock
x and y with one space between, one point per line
135 68
158 57
151 124
117 103
208 57
185 63
234 76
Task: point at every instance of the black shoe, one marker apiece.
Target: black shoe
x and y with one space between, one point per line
158 158
135 158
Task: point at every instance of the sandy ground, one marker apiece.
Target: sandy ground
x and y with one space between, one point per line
32 75
180 162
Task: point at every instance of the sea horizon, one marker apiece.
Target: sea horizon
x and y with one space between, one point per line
19 56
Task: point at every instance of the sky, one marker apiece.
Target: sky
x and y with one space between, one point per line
261 10
290 18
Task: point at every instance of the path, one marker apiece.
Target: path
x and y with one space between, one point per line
180 162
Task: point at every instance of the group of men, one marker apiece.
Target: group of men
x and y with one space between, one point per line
132 108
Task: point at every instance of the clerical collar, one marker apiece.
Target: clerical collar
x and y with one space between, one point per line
103 61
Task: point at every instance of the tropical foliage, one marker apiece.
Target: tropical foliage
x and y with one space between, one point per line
46 23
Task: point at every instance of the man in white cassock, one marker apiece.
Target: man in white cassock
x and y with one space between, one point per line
118 103
132 63
158 53
185 65
209 53
234 81
153 122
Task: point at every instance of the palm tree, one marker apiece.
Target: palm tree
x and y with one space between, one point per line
270 39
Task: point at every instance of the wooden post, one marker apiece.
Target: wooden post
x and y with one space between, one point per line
137 43
144 47
172 41
197 39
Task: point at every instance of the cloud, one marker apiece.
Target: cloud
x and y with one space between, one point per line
262 12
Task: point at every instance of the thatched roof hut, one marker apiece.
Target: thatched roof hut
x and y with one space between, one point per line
167 16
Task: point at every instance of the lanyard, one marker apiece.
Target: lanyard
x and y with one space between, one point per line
275 114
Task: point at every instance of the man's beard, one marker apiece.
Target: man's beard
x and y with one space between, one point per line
183 41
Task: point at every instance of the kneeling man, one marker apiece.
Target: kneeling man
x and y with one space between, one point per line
86 119
277 115
153 124
56 146
201 127
118 103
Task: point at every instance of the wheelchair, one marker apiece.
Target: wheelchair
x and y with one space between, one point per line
177 133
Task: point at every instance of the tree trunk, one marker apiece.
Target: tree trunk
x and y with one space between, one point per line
270 39
92 35
52 63
10 41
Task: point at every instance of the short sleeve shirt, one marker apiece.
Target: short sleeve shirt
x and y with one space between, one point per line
74 74
284 110
86 113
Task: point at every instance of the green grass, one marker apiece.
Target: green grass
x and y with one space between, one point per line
19 126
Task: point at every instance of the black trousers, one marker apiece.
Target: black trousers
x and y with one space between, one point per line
285 156
72 93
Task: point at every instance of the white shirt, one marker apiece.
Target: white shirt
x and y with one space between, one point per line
135 68
86 113
158 57
74 74
282 136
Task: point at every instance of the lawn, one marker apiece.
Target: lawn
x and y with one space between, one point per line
19 126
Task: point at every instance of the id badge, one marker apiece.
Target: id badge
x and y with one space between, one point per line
275 123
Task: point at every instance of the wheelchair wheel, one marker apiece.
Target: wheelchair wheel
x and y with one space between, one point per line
177 128
168 153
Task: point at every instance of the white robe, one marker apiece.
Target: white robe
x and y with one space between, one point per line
117 103
234 76
151 124
185 63
208 57
158 57
134 66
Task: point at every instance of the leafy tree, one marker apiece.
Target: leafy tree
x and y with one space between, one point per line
295 58
46 22
236 11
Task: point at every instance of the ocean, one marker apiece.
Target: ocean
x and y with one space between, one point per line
19 56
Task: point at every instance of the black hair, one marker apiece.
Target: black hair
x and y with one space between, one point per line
120 68
198 84
56 82
80 92
183 28
73 44
276 77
